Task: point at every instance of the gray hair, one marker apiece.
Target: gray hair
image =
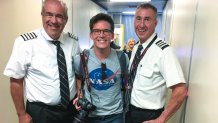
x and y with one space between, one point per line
63 4
147 6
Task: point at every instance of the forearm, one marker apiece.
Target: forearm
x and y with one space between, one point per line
79 88
179 93
16 87
79 93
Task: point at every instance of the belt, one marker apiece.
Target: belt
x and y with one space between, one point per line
103 117
134 108
41 104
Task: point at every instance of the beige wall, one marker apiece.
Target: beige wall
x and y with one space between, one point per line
178 29
17 17
193 34
202 104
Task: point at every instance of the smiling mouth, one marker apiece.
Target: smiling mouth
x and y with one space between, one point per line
102 40
141 30
53 25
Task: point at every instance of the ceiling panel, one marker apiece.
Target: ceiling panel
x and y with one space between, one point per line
119 7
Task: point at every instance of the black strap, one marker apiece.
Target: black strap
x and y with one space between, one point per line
84 61
143 53
123 65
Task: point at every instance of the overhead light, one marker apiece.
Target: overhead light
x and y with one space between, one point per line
130 0
129 12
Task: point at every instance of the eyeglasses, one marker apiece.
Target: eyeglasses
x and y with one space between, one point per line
50 15
103 68
98 31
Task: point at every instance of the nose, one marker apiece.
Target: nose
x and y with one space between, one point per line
53 19
101 33
142 23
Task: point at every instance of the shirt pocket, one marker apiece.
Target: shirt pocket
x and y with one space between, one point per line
145 76
146 72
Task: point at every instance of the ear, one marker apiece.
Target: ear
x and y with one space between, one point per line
156 22
112 36
90 34
66 19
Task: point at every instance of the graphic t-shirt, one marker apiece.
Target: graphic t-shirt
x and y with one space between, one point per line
106 93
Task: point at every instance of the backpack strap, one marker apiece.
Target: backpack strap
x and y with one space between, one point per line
123 65
124 80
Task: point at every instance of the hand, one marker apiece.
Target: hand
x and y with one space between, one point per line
25 118
75 104
158 120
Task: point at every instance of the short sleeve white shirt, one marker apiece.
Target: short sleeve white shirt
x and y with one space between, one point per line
34 58
157 70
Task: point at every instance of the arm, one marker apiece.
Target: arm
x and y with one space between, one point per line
79 88
179 93
18 99
79 93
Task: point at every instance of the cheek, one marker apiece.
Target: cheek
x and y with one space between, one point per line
92 36
62 24
45 21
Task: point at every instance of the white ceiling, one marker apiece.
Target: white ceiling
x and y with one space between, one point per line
118 7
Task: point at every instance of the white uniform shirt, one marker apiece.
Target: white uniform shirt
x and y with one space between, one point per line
157 70
34 58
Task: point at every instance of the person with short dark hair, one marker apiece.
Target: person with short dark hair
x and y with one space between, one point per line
103 87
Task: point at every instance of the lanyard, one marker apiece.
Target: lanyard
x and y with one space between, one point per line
143 53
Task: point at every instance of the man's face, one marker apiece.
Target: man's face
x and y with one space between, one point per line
102 35
53 19
144 22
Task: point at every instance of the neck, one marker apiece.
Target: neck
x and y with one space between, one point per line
102 54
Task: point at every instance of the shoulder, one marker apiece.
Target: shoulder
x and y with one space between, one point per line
121 54
26 39
137 42
72 36
72 40
29 35
161 44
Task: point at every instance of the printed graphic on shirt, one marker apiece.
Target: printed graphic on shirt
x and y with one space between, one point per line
98 83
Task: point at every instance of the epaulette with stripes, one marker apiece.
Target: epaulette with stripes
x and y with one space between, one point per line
28 36
73 36
137 42
162 44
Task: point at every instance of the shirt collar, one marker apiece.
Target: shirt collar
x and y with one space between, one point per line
148 40
48 38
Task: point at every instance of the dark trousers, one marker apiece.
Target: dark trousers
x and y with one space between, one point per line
114 118
138 115
42 113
